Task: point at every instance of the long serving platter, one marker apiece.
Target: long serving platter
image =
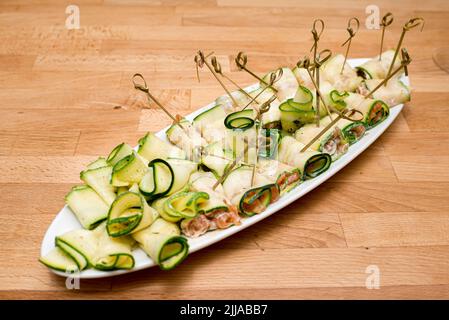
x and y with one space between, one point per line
65 220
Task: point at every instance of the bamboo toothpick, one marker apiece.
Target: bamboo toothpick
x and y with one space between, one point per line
274 77
200 61
352 34
241 60
144 88
305 63
330 125
412 23
386 21
316 37
319 60
218 70
405 61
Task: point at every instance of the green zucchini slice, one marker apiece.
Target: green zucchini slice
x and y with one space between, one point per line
151 147
209 116
240 120
159 179
352 131
128 170
310 163
181 205
374 111
286 177
118 153
100 162
163 243
58 260
87 205
129 213
99 179
337 99
249 199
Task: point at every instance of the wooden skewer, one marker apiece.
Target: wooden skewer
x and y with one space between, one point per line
412 23
274 77
306 65
201 60
349 40
318 62
241 60
217 68
316 37
386 21
144 88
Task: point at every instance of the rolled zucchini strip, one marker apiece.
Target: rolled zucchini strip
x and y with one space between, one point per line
310 163
331 71
249 200
216 159
100 162
374 111
352 131
87 205
129 213
118 153
332 141
129 170
95 248
228 105
286 86
337 99
163 243
58 260
299 110
99 179
377 68
152 147
210 123
394 93
240 120
188 139
303 77
181 205
286 177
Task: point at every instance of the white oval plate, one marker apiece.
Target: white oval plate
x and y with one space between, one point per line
66 220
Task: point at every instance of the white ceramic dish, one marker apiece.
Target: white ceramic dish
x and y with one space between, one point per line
66 221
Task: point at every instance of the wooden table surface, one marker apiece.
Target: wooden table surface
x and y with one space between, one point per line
66 97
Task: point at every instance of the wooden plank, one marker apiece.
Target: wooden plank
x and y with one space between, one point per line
421 168
395 229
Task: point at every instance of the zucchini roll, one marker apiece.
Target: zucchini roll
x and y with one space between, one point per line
394 93
377 68
331 142
310 163
165 177
228 105
286 177
210 124
188 139
286 86
249 200
215 213
348 80
58 260
99 179
303 77
91 248
216 159
299 110
129 170
374 111
100 162
129 213
152 147
352 131
181 205
87 205
163 243
118 153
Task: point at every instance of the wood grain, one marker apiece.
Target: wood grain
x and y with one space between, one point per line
67 98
